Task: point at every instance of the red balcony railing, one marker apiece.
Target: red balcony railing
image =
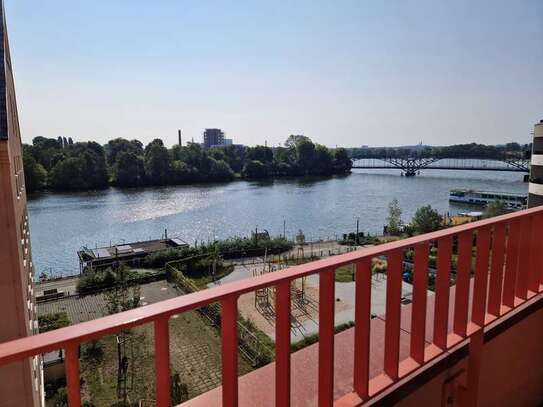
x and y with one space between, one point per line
507 271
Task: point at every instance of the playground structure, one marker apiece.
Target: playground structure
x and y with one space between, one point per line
302 306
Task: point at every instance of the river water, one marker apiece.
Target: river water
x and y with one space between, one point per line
60 224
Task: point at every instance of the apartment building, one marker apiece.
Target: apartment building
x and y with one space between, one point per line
20 382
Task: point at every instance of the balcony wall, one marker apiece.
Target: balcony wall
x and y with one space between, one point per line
511 368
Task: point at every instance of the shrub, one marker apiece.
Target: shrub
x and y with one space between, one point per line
159 259
53 321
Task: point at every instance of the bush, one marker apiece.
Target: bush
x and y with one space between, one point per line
53 321
159 259
236 247
91 281
349 239
95 280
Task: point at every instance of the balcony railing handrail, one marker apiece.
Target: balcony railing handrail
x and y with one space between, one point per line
72 336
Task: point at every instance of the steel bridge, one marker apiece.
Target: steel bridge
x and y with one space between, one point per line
412 166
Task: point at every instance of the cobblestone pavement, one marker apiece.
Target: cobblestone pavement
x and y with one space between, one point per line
195 347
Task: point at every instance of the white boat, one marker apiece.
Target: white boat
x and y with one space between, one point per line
482 198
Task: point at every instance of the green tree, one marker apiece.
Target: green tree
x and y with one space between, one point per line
495 208
342 162
322 160
219 170
119 145
394 218
255 169
157 163
260 153
79 166
426 219
35 173
181 172
128 170
123 296
294 139
44 149
305 152
66 175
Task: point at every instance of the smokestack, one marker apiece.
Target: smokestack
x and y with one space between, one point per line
179 136
535 195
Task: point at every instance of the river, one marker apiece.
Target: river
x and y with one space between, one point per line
60 224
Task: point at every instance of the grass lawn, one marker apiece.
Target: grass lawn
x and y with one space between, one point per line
202 280
345 274
195 354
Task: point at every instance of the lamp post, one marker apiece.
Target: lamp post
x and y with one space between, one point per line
357 226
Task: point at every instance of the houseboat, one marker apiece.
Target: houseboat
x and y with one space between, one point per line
482 198
131 254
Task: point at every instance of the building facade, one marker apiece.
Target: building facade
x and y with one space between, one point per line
213 137
21 382
535 196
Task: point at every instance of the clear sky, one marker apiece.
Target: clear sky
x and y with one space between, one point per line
341 72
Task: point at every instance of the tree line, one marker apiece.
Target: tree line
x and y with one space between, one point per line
472 150
62 165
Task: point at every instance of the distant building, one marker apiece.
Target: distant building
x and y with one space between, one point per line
213 137
20 382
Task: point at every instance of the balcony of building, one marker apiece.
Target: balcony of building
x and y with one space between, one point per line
475 339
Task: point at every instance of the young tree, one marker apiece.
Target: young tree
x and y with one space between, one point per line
426 220
394 218
123 296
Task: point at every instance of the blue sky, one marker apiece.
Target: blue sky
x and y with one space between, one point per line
343 73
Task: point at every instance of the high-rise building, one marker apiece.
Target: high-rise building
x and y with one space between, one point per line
20 382
535 196
213 137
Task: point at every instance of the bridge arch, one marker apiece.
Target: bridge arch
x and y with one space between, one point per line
411 166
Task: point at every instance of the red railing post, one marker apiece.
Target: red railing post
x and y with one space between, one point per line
72 374
229 320
282 345
496 275
420 294
463 271
523 270
538 261
441 311
326 337
362 319
481 276
511 263
393 313
162 362
536 257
